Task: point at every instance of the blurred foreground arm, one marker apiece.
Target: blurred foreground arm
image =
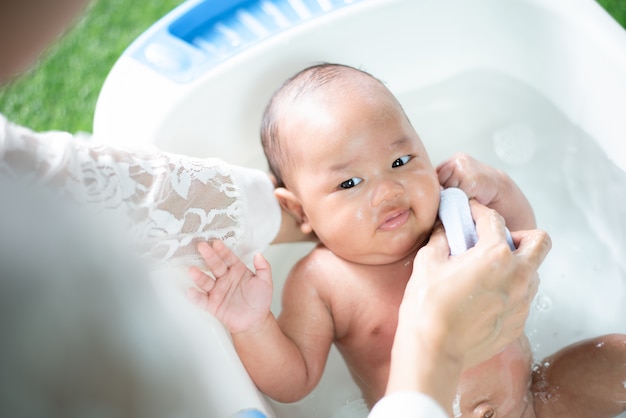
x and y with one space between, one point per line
444 328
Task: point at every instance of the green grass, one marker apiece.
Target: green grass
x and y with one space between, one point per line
61 92
616 8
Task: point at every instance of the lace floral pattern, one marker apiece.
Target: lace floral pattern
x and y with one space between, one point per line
169 201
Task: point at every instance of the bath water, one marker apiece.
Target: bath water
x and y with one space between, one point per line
578 195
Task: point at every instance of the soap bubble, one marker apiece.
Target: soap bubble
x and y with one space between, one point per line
515 144
353 408
543 303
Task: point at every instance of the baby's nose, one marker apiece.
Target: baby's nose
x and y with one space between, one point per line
385 191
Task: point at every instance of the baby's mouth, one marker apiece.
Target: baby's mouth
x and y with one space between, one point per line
395 220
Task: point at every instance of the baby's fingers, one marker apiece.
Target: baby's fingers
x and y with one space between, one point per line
214 261
198 298
445 172
228 258
201 279
263 269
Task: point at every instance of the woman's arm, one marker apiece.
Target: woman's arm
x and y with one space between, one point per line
170 202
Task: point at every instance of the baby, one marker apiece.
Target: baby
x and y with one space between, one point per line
351 169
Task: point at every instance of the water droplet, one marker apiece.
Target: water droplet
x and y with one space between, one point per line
456 406
515 144
543 303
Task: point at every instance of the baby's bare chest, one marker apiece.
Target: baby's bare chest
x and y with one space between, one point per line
365 338
367 316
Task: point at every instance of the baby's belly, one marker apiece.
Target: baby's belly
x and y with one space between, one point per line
498 387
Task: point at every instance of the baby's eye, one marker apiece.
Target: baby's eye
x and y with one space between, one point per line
401 161
348 184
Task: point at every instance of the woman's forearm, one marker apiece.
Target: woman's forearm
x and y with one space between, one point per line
434 372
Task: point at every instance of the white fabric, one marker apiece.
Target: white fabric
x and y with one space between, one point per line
169 201
456 217
407 405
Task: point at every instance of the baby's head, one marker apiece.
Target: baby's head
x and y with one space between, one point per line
349 163
303 98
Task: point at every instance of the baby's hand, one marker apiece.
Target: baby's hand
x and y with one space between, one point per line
239 298
490 187
479 181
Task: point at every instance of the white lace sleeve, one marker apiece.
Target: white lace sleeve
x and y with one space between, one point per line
170 201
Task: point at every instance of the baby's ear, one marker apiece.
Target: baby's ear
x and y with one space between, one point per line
290 202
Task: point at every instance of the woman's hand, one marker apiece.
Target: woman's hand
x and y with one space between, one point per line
459 311
479 300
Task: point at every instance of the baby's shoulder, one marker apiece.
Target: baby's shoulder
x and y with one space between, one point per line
318 269
311 276
319 262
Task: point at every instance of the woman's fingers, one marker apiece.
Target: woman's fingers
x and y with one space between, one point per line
437 246
490 226
532 245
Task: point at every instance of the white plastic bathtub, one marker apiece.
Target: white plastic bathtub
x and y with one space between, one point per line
536 87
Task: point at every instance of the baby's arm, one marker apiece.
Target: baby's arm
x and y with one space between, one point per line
284 357
489 186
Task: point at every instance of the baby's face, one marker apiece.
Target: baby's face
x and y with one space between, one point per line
363 177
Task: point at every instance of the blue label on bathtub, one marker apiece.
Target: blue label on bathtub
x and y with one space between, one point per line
202 33
249 413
